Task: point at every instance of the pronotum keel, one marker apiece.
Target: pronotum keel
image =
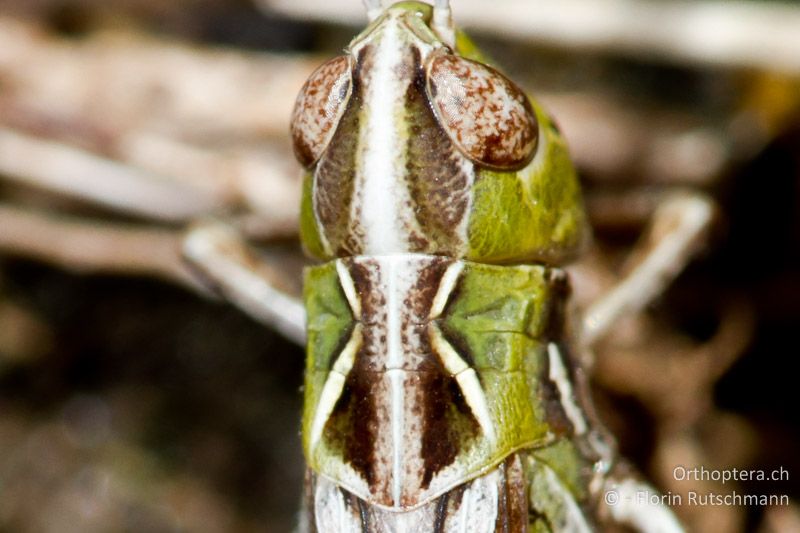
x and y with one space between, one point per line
438 395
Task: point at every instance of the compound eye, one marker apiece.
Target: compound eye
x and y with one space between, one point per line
318 108
485 114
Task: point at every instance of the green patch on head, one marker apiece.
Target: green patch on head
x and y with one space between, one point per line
424 11
533 214
466 47
309 230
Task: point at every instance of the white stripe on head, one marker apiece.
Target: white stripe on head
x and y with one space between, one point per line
379 176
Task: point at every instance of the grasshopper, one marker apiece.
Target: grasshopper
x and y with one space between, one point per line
440 392
442 389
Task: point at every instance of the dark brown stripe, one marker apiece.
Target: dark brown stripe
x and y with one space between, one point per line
439 189
447 422
365 274
422 295
352 427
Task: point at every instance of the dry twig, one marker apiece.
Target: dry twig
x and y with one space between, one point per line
93 246
712 32
74 173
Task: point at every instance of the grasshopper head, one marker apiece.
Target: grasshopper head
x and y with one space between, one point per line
410 141
484 114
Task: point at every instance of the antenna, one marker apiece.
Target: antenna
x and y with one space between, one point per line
373 9
443 22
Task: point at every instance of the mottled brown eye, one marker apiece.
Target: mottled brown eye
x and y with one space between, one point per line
318 108
485 114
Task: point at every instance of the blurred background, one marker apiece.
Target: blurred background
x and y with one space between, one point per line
133 400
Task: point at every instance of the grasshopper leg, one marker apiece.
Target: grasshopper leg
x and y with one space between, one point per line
226 262
678 226
638 505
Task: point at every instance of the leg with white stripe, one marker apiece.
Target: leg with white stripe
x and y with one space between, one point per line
639 506
225 261
622 498
677 230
